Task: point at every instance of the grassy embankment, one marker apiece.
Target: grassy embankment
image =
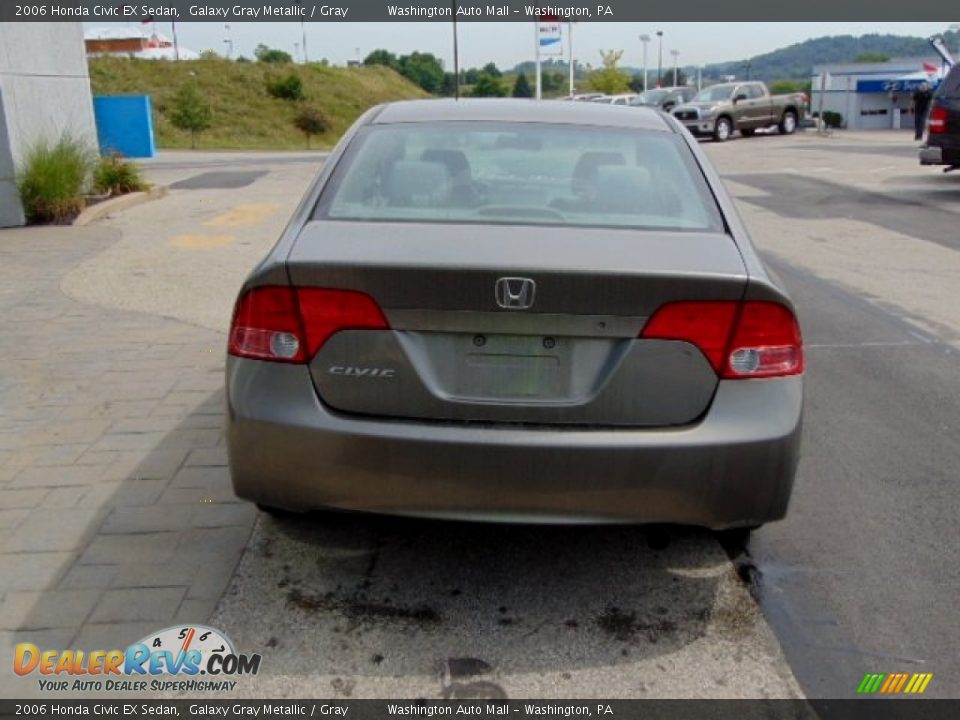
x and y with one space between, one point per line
245 116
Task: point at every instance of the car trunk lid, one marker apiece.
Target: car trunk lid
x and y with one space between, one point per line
570 355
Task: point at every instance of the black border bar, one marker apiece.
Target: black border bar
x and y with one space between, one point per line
134 709
466 11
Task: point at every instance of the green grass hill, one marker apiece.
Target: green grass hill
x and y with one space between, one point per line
245 115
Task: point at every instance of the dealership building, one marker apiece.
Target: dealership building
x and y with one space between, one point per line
874 96
44 93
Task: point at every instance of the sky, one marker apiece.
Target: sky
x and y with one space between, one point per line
508 43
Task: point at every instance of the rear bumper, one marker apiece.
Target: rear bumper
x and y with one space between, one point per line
937 155
734 468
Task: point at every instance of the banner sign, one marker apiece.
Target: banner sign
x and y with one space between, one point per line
551 35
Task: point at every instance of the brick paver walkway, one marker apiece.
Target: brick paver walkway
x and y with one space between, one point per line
116 512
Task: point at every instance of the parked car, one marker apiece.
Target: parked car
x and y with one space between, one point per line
942 142
432 336
622 99
665 98
720 110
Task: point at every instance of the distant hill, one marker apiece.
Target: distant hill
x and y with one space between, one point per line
796 61
244 114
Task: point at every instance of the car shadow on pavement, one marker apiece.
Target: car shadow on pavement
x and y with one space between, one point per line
377 605
147 541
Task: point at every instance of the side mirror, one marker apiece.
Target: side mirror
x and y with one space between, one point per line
739 96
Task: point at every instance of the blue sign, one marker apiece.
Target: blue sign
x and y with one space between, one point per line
889 86
124 125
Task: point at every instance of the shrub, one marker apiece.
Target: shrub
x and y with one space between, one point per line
267 54
832 119
115 176
488 86
53 178
191 112
288 87
311 121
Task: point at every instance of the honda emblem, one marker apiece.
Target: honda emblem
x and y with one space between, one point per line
514 293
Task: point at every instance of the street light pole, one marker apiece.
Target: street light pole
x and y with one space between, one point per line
570 53
676 54
645 39
660 59
303 30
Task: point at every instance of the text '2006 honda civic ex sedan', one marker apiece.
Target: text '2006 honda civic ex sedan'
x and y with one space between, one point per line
519 311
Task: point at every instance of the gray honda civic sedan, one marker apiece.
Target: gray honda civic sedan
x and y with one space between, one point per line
516 311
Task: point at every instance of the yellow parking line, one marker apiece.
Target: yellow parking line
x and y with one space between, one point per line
247 214
202 242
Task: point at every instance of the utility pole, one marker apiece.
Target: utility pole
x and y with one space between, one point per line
536 45
303 29
644 39
228 41
570 53
660 59
676 54
456 54
176 44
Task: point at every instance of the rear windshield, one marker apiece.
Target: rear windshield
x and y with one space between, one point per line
520 173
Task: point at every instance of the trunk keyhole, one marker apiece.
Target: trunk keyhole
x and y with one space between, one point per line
479 340
549 343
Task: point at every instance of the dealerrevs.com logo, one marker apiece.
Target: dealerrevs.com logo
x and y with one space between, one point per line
186 652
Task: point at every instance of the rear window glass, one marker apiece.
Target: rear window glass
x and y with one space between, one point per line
522 173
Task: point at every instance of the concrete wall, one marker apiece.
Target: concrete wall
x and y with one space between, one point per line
44 92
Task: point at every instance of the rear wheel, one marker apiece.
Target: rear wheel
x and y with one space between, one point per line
788 123
723 129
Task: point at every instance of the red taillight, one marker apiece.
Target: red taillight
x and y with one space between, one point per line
766 343
704 324
285 324
937 122
753 339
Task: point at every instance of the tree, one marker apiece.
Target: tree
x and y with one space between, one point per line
311 121
382 57
471 76
521 87
492 70
666 80
449 86
191 112
267 54
551 81
871 57
424 69
488 86
609 79
785 87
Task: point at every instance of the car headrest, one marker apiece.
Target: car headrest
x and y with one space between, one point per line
585 171
624 189
454 161
410 180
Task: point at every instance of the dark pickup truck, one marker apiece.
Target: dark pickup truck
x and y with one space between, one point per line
942 145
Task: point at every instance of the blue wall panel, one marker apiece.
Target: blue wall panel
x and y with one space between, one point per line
125 125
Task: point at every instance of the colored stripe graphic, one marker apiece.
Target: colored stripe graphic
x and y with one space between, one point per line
870 683
894 683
